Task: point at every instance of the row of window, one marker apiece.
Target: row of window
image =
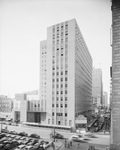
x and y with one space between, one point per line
53 86
57 98
57 92
59 114
62 27
66 72
61 79
57 105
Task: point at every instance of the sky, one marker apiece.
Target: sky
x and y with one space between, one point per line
23 24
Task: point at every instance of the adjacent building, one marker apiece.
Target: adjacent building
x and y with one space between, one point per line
97 87
27 107
6 105
115 103
65 75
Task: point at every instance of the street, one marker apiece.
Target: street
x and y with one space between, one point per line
100 141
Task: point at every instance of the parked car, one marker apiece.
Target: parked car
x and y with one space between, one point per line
34 135
28 148
27 141
17 137
33 142
2 146
2 135
13 132
11 145
3 139
23 134
20 147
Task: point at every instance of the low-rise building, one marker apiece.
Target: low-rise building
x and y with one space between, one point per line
6 105
26 107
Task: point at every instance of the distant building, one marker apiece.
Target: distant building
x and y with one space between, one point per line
97 87
6 105
65 75
105 99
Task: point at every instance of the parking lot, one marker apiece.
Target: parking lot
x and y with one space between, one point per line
11 140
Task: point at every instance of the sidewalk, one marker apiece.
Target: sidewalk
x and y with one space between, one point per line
57 144
82 146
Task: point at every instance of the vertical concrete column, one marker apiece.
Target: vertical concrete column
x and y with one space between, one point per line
115 128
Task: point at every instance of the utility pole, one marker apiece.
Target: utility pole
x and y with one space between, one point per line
54 134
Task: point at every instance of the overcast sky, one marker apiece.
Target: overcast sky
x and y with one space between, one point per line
23 24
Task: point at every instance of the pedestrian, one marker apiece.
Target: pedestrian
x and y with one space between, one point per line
70 143
78 144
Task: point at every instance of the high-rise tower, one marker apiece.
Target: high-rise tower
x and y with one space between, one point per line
65 75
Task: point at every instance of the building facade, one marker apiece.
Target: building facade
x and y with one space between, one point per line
115 103
6 106
97 87
27 107
65 75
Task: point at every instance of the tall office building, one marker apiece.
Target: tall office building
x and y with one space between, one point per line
97 86
65 75
105 99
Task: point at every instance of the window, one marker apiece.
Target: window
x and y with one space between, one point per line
61 99
48 121
57 105
70 122
61 85
65 98
66 79
62 73
61 105
66 72
53 114
61 79
52 105
66 122
57 79
52 121
65 114
65 105
65 92
57 92
65 85
61 92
